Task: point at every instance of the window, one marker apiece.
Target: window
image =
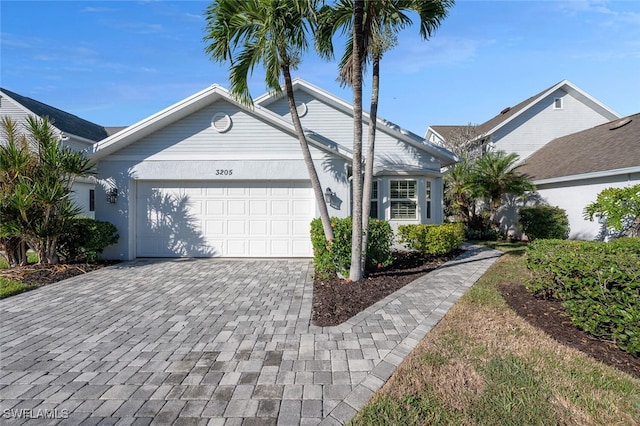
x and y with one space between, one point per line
403 199
92 200
557 103
373 212
428 199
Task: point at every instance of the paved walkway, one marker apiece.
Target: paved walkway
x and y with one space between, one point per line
207 341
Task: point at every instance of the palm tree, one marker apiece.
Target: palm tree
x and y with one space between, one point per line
272 33
381 20
497 174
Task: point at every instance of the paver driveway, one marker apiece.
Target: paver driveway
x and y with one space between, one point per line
207 341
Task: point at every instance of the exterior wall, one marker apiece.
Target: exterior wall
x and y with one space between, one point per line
122 175
542 123
575 196
337 126
81 195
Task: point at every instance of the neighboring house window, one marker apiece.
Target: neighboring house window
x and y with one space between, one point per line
557 103
373 212
404 199
92 200
428 199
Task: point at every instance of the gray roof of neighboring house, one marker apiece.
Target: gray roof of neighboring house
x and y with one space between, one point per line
112 130
610 146
64 121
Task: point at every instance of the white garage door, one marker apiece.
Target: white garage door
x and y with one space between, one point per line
231 219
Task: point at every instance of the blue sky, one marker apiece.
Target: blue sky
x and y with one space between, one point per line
117 62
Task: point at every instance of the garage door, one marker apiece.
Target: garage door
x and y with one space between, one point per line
230 219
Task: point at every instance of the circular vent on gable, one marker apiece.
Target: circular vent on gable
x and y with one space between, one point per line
620 123
221 122
302 109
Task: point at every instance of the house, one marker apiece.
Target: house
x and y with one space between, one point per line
557 111
75 132
208 176
572 170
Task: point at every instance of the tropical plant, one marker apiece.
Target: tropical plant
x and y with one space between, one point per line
41 178
273 33
496 174
373 26
619 208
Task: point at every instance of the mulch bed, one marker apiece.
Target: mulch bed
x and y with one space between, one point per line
335 300
551 317
39 275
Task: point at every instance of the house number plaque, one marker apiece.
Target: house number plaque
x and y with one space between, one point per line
224 172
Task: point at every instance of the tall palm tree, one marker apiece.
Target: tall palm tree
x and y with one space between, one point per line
497 174
381 21
273 33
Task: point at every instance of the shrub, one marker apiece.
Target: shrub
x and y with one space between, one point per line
432 239
84 238
544 222
598 283
335 257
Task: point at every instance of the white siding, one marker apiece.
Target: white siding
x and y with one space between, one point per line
575 196
337 126
194 137
542 123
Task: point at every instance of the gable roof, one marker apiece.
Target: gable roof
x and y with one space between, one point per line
510 113
192 104
608 147
446 157
65 122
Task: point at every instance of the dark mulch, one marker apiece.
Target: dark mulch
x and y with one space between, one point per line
39 275
335 300
551 317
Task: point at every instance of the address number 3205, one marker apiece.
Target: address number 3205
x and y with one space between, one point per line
224 172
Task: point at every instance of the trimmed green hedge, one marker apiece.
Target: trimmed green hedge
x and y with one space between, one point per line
598 284
85 238
329 259
432 239
544 222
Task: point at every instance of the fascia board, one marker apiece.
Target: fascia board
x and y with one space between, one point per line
158 120
585 176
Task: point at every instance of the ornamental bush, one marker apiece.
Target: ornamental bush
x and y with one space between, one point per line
432 239
85 238
335 257
597 282
544 222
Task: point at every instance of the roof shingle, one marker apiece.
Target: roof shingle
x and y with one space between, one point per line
605 147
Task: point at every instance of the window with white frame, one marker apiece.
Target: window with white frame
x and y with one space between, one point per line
373 211
403 199
557 103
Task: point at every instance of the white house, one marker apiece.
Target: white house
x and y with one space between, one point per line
571 171
557 111
208 176
75 132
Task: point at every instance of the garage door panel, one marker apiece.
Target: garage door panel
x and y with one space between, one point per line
232 218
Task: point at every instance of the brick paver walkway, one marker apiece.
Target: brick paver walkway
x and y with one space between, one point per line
207 341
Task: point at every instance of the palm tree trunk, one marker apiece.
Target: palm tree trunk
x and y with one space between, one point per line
355 272
306 154
368 172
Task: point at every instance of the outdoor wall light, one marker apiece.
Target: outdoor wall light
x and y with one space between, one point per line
112 195
328 195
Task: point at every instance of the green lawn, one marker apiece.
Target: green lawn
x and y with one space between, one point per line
484 365
10 287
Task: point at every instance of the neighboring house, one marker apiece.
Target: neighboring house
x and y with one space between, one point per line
211 177
75 132
560 110
571 171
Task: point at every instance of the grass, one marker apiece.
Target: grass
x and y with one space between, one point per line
10 287
484 365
